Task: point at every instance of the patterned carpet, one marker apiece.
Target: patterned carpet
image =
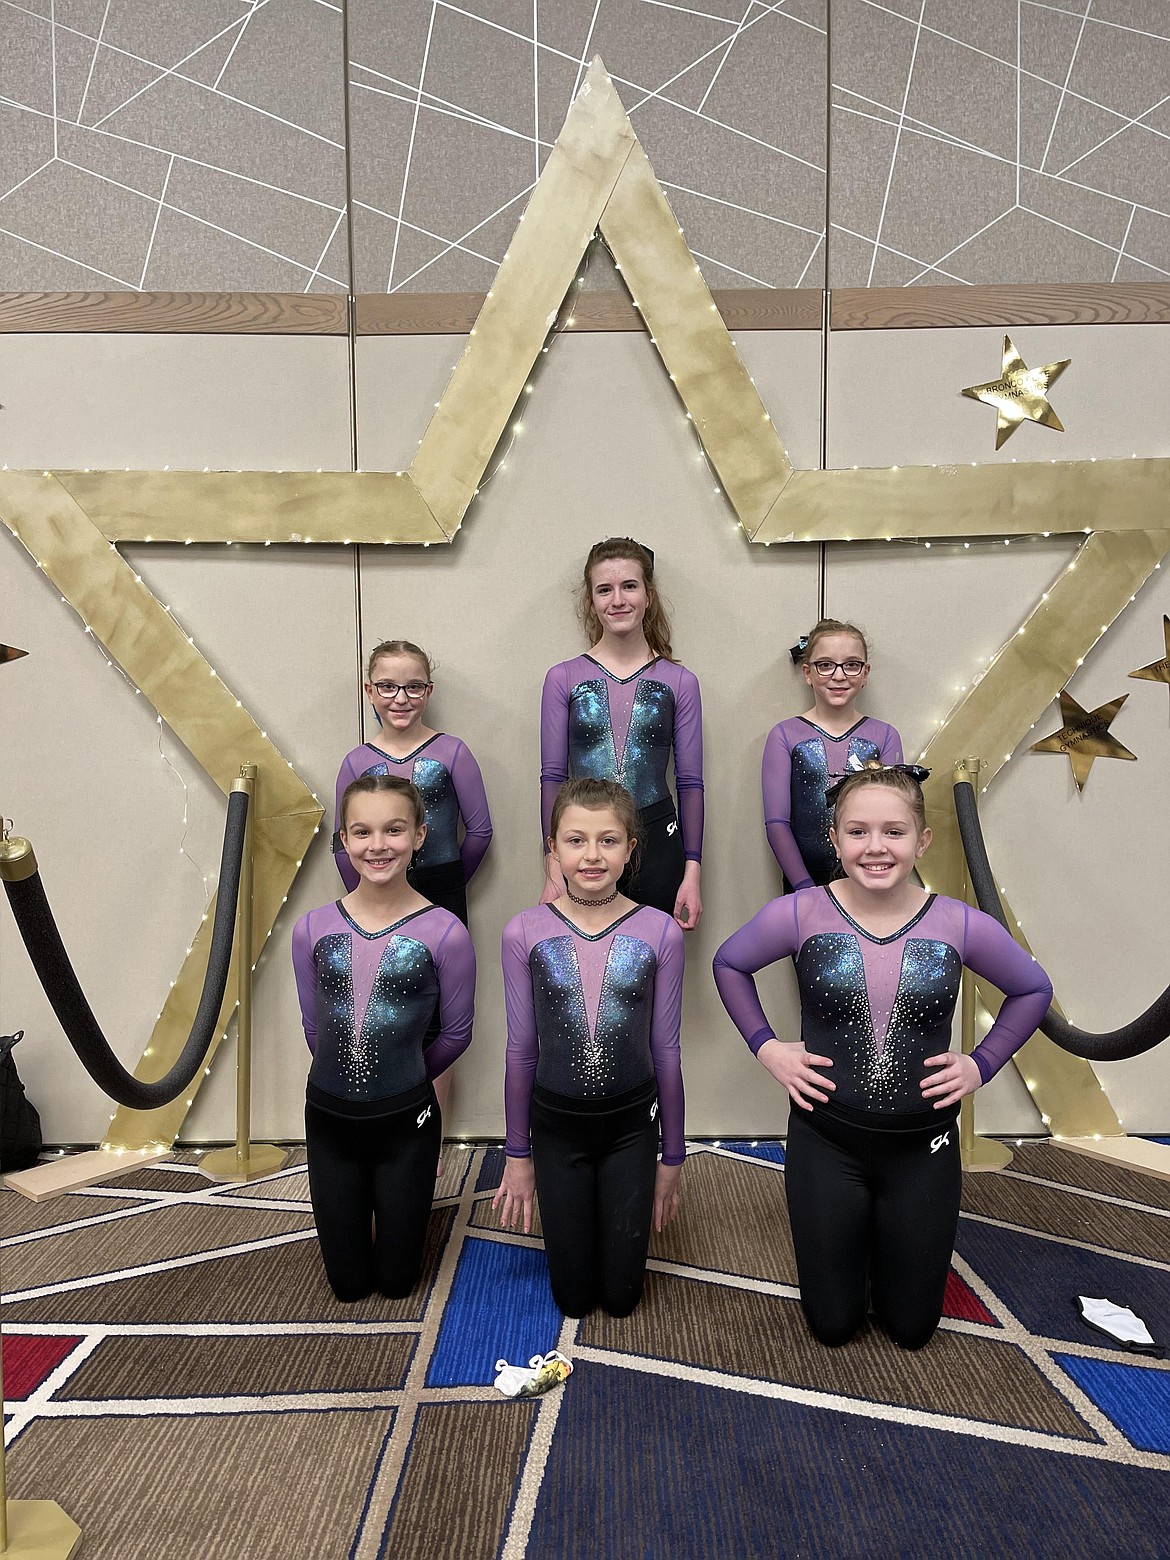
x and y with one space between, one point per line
179 1377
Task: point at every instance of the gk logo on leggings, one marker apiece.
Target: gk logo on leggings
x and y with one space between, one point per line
423 1115
653 1110
671 828
939 1142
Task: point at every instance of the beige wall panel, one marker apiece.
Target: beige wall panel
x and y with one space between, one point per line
895 395
278 624
606 449
271 403
399 380
937 616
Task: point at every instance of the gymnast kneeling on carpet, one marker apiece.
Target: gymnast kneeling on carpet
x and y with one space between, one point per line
593 993
872 1167
370 970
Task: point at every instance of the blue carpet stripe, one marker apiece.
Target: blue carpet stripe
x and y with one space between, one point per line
771 1150
491 1170
1137 1400
500 1308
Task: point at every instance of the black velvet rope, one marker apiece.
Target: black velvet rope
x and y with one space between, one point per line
35 922
1141 1034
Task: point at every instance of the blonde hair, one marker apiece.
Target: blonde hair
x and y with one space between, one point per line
399 647
656 623
894 779
828 626
382 785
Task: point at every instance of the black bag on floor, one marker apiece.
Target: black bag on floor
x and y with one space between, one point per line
20 1123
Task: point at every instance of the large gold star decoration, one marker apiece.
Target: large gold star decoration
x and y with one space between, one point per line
1020 393
596 179
1158 671
1085 736
11 653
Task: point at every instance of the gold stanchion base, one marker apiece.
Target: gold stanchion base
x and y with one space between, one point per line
986 1154
40 1530
226 1164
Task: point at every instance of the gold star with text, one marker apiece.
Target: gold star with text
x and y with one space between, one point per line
1158 671
1085 736
1020 393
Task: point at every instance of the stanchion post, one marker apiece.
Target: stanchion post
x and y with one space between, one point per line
247 1160
978 1153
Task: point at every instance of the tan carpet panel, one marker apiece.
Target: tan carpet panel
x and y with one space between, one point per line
766 1337
1054 1212
175 1367
19 1216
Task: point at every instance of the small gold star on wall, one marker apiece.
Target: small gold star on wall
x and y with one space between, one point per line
1157 671
1085 736
1020 393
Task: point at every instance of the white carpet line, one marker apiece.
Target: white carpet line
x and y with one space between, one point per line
1083 1191
1068 1240
1035 1350
217 1407
864 1409
548 1411
23 1413
209 1329
92 1281
367 1541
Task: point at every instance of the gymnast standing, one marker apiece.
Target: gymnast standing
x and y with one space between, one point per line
618 713
370 970
806 753
872 1167
593 992
399 683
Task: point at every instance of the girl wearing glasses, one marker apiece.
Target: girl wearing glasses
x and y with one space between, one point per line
399 685
872 1167
619 713
806 753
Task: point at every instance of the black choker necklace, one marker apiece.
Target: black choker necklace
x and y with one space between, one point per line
608 900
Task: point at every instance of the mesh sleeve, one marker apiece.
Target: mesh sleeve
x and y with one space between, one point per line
305 971
993 953
455 964
665 1047
473 805
554 743
773 933
777 787
890 749
522 1047
688 763
344 866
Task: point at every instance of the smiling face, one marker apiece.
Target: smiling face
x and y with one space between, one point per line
402 710
592 848
836 670
380 834
877 837
620 596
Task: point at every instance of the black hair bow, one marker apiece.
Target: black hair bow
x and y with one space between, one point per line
915 771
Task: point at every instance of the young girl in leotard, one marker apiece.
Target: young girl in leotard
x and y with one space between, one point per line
371 969
593 990
872 1168
618 713
399 683
806 753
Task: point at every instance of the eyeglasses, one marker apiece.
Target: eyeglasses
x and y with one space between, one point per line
827 668
412 690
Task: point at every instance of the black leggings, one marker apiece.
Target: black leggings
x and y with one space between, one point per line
595 1164
371 1181
872 1205
661 859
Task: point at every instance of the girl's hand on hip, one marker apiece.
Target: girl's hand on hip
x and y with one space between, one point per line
794 1067
956 1075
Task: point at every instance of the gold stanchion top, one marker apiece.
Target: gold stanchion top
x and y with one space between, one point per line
17 860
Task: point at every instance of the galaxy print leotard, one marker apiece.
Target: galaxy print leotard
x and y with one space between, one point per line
624 729
367 998
590 1018
800 760
451 785
879 1006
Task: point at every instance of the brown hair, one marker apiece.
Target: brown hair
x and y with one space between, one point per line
828 626
656 623
381 785
894 779
596 795
398 647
